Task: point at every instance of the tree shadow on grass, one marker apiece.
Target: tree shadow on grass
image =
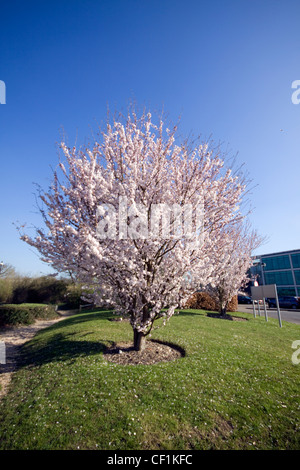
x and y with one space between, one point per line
193 312
220 316
61 346
212 314
59 349
79 318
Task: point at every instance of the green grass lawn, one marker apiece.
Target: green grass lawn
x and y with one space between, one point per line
236 388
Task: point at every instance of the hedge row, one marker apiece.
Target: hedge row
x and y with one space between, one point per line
203 301
25 314
39 290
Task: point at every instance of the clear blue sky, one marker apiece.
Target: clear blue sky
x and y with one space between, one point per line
225 66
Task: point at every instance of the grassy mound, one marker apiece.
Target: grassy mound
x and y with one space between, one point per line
235 388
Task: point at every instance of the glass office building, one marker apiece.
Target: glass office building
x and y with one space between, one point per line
282 269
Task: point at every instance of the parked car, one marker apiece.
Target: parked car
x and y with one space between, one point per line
244 299
284 302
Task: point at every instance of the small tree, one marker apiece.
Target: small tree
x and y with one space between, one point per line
7 270
232 263
7 282
139 217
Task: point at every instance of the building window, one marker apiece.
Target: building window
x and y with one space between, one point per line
281 291
296 260
283 278
276 262
297 276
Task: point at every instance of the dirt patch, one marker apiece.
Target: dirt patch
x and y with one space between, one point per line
154 352
226 317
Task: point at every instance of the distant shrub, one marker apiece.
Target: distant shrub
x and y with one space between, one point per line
25 314
203 301
20 290
73 297
44 289
6 289
233 304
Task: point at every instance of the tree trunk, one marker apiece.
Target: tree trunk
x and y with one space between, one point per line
223 308
139 340
223 311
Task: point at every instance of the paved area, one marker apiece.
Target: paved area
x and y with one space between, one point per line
292 316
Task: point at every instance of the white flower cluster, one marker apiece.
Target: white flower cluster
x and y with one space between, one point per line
145 277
